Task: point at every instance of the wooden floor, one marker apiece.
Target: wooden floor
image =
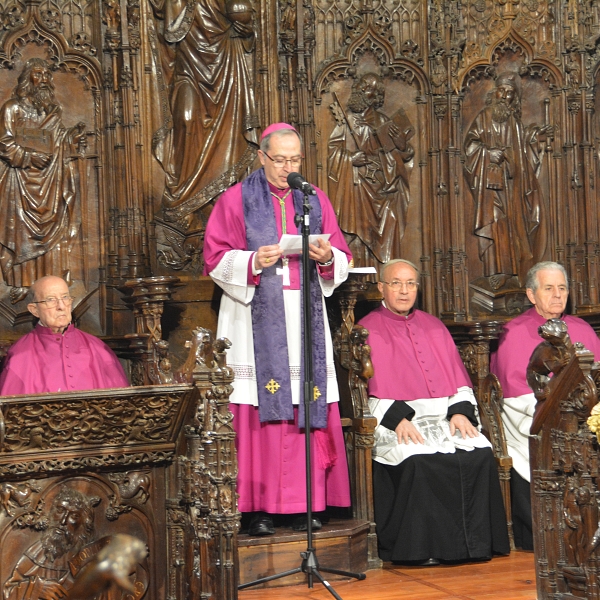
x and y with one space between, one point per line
507 577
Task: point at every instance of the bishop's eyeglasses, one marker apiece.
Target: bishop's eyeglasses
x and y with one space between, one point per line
279 161
409 286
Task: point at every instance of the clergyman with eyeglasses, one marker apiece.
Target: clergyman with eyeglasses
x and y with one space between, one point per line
547 288
261 314
55 356
437 495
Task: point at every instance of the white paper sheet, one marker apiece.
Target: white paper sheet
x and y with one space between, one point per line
292 244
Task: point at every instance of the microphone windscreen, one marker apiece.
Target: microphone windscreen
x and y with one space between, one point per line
295 181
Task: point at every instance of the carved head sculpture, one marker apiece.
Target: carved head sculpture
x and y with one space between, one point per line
35 85
505 98
71 524
368 91
511 79
554 330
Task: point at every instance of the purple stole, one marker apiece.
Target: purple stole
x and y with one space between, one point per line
268 313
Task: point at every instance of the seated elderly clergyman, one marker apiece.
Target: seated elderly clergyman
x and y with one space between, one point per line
436 490
55 356
547 288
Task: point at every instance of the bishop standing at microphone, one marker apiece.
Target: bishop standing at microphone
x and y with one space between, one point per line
260 313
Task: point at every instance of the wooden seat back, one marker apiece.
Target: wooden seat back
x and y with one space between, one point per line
564 470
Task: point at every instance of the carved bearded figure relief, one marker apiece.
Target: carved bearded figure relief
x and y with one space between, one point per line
502 165
40 187
69 547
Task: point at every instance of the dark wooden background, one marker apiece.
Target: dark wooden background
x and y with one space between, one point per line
113 70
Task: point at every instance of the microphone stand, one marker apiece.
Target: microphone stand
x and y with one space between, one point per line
310 564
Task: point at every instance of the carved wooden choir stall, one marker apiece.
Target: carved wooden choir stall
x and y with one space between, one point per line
156 462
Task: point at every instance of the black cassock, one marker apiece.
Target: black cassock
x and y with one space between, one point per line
443 506
520 497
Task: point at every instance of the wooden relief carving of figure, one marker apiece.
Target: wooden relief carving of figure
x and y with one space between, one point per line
39 183
67 547
212 101
501 168
43 571
368 172
575 537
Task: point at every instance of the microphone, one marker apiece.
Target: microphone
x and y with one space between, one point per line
297 182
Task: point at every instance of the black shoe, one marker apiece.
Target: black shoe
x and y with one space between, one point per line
299 523
430 562
261 524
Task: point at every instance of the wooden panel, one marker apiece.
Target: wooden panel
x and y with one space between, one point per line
341 544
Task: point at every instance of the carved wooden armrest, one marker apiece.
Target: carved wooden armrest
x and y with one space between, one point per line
490 403
550 357
360 371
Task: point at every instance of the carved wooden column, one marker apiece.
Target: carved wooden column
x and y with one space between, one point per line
473 341
146 298
580 24
219 438
448 240
126 214
210 475
206 518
